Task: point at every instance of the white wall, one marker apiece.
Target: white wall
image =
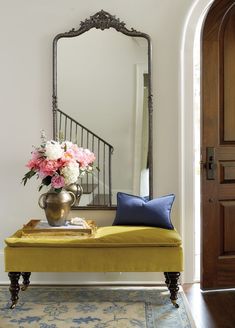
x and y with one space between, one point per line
27 28
96 84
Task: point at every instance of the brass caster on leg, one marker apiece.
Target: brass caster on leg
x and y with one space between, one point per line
172 278
176 305
26 281
24 287
14 287
13 304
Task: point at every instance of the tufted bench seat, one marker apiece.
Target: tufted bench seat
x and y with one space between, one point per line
110 249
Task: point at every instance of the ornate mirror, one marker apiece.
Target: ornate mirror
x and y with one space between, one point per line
102 101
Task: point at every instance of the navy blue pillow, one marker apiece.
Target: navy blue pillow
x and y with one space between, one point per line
139 211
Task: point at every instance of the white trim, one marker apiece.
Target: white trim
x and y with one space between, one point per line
186 125
140 70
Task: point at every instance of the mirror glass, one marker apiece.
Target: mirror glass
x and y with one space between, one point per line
102 83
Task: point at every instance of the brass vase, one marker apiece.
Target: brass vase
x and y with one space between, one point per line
57 206
77 190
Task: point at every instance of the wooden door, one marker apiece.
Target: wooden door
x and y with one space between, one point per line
218 146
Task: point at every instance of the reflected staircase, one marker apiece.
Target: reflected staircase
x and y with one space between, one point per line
97 187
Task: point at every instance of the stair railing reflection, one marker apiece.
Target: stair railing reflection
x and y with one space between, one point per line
98 185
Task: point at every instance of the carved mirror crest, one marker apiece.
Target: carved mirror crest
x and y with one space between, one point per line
102 100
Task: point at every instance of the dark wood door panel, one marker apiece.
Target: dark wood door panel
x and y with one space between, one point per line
218 132
226 191
227 217
228 108
226 271
227 171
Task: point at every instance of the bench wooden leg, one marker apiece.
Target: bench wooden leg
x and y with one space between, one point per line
167 281
172 284
14 287
26 281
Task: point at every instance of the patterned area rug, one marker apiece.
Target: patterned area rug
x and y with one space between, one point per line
94 307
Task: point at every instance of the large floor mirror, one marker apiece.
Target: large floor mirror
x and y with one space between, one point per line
102 100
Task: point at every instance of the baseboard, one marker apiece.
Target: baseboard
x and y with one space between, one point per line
89 278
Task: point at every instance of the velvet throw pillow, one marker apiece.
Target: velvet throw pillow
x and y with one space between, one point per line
139 211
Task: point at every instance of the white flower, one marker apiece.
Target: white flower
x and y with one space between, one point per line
53 150
70 173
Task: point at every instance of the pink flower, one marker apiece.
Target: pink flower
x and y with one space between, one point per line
90 156
57 181
85 157
36 154
34 164
48 167
62 162
68 157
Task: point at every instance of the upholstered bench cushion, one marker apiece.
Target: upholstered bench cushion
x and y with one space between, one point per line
110 236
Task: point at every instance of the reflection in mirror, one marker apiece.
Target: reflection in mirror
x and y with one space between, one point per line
102 101
101 84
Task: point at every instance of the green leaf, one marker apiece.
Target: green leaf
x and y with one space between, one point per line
58 190
28 176
40 187
46 181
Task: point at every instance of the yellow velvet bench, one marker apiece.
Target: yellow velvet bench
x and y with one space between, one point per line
110 249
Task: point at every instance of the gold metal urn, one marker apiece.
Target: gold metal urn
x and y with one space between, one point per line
77 190
57 206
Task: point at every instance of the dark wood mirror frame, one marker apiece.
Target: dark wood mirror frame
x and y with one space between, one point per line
103 20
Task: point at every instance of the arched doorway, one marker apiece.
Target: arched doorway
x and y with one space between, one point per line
194 22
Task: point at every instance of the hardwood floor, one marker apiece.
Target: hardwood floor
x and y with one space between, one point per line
211 309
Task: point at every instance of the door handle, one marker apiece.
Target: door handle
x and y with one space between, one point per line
210 163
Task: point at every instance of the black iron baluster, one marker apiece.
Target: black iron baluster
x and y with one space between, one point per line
104 174
99 172
60 123
110 175
93 189
71 122
76 134
65 128
87 146
82 137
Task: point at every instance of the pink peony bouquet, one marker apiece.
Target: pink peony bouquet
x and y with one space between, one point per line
59 164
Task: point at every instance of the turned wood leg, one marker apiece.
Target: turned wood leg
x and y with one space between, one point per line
26 281
173 286
167 281
14 287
